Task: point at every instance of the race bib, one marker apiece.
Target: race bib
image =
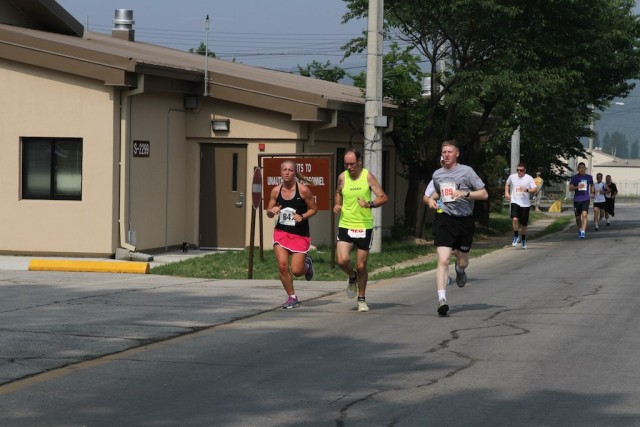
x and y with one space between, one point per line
582 185
446 191
357 233
286 216
520 190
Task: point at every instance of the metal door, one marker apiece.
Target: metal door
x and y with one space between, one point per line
223 202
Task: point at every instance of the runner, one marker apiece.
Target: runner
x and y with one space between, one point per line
459 186
517 189
293 204
582 185
610 199
436 217
600 190
354 204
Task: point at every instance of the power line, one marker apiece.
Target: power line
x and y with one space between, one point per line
247 45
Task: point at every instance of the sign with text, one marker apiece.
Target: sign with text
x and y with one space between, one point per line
312 171
141 148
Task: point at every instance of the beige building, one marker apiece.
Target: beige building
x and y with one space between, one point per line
109 143
625 173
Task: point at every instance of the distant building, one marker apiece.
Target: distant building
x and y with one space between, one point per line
624 172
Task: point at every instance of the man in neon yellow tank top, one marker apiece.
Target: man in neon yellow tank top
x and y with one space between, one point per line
354 204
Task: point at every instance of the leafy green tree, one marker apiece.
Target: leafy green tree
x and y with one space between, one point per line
620 145
607 146
322 71
495 65
201 50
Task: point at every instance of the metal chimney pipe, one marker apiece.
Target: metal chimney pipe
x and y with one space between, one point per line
123 25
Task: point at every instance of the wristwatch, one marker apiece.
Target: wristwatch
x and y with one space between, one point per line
371 205
468 193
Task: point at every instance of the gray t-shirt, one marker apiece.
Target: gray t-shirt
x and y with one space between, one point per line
459 177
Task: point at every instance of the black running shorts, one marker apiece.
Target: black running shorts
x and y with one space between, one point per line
364 242
454 232
521 213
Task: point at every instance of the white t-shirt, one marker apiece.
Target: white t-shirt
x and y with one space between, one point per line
430 189
599 188
517 186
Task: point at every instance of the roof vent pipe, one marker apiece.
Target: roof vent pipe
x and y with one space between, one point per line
123 25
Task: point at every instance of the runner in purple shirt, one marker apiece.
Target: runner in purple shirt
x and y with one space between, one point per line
582 186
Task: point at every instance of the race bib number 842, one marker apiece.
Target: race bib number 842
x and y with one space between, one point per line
286 216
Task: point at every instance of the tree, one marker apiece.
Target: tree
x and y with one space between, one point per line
620 145
530 64
322 71
201 50
607 146
634 153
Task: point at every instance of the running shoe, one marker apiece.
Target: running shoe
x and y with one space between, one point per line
516 239
362 305
608 223
443 307
461 277
352 287
309 274
291 302
524 244
449 281
597 228
582 234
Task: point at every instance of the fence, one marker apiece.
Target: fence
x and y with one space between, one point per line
630 188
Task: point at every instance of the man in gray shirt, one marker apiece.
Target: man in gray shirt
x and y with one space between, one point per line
457 186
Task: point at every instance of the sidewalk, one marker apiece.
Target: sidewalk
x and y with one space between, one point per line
11 262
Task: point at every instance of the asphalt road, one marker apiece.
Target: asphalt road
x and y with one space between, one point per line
543 337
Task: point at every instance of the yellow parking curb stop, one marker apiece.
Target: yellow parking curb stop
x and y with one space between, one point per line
89 266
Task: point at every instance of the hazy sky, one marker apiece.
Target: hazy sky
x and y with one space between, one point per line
279 34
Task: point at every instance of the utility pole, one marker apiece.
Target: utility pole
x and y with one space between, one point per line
592 123
515 150
373 108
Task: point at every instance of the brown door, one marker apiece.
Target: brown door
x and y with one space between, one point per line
223 171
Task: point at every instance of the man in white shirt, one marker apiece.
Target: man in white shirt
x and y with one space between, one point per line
517 189
600 191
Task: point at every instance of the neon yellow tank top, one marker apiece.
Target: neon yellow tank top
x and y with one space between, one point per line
353 216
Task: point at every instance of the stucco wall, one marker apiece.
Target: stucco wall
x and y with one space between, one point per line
161 192
49 104
158 185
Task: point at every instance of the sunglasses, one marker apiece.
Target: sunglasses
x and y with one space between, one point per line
520 170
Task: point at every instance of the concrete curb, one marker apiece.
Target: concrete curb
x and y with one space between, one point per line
89 266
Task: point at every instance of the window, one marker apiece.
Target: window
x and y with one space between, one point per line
52 168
